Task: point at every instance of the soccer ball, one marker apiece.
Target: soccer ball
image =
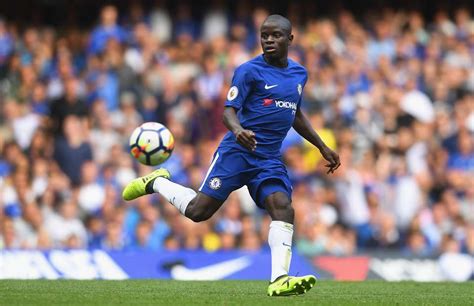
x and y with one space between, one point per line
151 143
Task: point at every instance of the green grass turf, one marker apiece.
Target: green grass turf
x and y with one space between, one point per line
151 292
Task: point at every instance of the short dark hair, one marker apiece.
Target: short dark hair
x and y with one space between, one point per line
282 21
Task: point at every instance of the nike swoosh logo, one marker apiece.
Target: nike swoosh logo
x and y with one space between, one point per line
286 245
271 86
212 272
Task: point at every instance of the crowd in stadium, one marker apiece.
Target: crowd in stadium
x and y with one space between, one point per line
392 93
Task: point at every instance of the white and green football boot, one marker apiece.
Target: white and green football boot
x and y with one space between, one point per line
291 285
140 186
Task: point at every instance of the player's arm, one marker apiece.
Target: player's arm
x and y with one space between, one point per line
302 125
236 97
244 137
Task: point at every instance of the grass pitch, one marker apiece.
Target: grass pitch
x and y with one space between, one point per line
151 292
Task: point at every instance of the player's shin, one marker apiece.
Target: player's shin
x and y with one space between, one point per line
179 196
279 239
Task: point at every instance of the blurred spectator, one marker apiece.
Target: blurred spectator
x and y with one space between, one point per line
69 104
416 245
102 138
106 30
313 240
6 43
95 231
158 227
210 240
215 23
31 228
126 118
228 241
161 24
142 236
250 242
65 225
22 122
71 151
113 238
231 219
91 195
38 100
382 44
171 243
462 159
185 28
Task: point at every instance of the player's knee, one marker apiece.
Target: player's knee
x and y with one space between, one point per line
200 217
281 209
198 214
286 213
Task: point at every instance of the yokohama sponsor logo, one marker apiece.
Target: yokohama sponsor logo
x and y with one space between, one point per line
285 104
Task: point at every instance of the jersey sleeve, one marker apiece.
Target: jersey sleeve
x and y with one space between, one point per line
301 89
240 88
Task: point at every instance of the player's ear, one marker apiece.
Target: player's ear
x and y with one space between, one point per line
290 39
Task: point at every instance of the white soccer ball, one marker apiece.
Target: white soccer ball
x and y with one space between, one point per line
151 143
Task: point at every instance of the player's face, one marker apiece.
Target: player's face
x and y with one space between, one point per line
274 40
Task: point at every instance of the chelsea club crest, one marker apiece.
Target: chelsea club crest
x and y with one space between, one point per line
215 183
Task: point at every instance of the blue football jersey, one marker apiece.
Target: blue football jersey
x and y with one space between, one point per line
266 98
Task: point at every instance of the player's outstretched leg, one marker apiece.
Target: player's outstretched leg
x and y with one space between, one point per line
280 239
196 206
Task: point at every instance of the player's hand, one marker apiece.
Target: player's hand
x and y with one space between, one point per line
332 157
246 138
